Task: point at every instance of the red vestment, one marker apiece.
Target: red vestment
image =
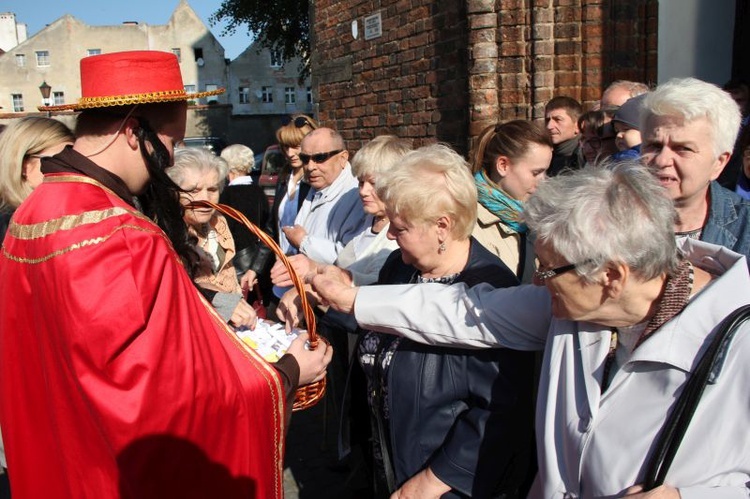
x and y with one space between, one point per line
117 379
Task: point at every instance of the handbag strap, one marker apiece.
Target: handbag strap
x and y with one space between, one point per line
678 420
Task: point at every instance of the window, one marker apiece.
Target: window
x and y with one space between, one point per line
59 98
17 103
93 52
275 58
266 94
309 95
210 88
198 52
290 96
20 60
190 89
244 95
178 53
42 58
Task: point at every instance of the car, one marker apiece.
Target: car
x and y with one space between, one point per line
273 162
213 144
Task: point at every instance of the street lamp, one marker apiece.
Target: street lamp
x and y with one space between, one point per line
45 90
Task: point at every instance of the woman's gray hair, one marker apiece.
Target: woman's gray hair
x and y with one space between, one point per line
431 182
691 99
380 154
197 159
239 158
595 216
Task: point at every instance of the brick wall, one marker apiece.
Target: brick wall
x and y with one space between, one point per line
445 70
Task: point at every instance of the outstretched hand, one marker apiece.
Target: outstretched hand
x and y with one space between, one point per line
334 293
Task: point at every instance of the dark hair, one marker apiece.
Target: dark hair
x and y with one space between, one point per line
160 201
569 104
591 119
511 139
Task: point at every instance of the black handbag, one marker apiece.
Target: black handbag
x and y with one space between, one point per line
707 372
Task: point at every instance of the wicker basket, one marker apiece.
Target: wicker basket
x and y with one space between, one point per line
307 395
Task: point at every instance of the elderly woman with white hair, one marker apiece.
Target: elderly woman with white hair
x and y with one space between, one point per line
624 317
200 174
252 258
446 422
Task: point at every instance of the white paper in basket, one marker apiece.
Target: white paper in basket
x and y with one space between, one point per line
269 339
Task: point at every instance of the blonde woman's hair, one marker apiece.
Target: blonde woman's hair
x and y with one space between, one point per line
290 135
431 182
25 136
239 158
380 154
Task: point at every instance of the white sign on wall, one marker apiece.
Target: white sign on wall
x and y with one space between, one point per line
373 26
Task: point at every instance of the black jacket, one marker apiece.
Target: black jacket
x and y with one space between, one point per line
467 414
253 203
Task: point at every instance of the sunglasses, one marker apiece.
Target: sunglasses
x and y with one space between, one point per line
299 122
318 158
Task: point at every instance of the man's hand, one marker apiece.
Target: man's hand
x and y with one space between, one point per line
423 485
312 363
300 263
294 235
243 315
662 492
334 293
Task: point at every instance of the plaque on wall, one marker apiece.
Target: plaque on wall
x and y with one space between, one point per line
373 26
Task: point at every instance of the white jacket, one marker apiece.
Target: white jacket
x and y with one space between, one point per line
590 445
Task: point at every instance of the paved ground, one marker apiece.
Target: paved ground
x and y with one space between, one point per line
312 469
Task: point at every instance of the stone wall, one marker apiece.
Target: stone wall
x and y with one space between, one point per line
442 71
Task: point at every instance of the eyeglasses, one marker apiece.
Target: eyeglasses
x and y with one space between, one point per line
318 158
299 122
543 275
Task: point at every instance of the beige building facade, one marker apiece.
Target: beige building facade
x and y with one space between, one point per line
52 56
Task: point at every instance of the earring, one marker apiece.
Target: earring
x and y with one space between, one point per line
441 248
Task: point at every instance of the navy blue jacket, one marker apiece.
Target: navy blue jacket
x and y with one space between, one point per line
465 413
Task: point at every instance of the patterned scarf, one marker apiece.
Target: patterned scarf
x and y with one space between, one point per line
677 291
492 197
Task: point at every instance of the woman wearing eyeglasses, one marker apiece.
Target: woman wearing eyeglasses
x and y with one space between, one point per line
509 162
624 314
23 144
291 189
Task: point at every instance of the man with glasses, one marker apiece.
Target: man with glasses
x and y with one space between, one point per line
332 214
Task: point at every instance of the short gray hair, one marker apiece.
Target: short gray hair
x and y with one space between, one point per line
197 159
431 182
692 99
380 154
596 215
239 158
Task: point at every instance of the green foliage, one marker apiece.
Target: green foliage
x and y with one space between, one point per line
282 25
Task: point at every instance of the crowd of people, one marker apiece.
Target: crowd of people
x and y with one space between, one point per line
519 324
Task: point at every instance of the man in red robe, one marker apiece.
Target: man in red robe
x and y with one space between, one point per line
117 378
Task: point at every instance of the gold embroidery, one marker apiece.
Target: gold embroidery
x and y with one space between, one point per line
274 384
72 247
68 222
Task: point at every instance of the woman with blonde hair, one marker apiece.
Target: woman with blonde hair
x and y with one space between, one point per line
23 144
291 190
445 422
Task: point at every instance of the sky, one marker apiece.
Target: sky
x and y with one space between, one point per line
36 14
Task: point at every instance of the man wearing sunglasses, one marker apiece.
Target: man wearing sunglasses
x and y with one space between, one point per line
332 214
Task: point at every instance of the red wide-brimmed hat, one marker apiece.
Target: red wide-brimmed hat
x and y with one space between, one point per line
125 78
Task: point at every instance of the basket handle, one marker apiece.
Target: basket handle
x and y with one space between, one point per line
268 241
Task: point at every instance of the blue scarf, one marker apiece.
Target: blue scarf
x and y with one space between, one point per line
492 197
